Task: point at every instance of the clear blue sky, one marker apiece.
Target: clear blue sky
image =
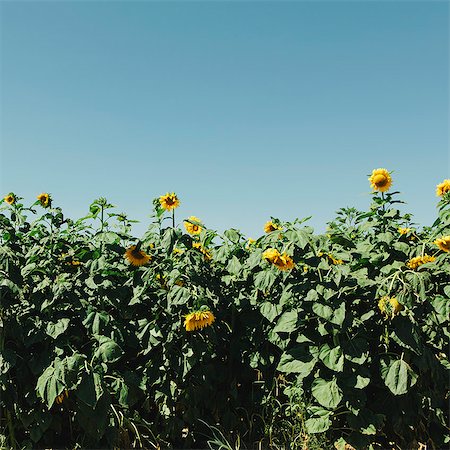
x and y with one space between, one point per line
246 109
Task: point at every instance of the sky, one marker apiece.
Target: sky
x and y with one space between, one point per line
246 110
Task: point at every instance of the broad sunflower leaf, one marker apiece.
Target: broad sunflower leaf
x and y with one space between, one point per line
108 350
398 376
332 357
54 329
327 393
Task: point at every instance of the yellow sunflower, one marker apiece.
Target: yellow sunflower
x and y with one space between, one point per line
416 262
270 226
136 257
281 261
285 262
44 199
271 254
389 305
169 201
443 188
403 231
380 180
443 243
193 228
10 198
197 320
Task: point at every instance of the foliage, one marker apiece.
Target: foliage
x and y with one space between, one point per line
94 351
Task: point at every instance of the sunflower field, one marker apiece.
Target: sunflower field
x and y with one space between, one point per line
187 338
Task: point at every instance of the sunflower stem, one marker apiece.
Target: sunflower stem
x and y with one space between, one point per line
173 218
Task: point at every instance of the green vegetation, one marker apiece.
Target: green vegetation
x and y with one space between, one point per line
324 340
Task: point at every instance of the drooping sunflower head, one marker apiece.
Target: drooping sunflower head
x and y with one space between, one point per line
193 225
270 226
416 262
443 243
10 198
169 201
136 257
271 254
389 305
284 262
199 319
443 188
380 180
45 200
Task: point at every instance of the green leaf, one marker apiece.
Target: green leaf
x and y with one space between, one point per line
327 393
333 358
398 376
90 389
264 280
108 350
270 311
51 383
356 350
287 322
234 266
233 235
55 329
297 360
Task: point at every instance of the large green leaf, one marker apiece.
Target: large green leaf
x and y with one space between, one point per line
51 383
332 357
54 329
108 350
297 360
287 322
398 376
327 393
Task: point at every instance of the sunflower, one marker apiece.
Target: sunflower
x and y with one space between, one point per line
281 261
45 200
271 254
403 231
136 257
285 262
60 398
443 188
443 243
194 227
10 198
389 305
197 320
414 263
380 180
169 201
270 226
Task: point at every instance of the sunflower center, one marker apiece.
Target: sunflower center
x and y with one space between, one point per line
195 227
137 254
170 201
380 180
